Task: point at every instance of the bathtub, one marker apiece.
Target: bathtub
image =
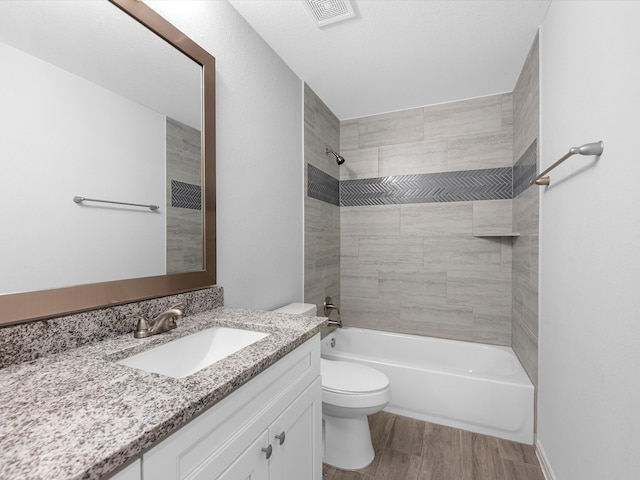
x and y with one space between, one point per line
472 386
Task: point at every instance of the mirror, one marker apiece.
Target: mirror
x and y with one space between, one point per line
128 120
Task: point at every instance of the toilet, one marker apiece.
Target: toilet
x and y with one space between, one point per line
350 392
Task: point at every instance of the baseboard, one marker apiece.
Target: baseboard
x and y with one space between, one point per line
544 462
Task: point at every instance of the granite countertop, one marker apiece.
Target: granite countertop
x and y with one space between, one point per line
79 415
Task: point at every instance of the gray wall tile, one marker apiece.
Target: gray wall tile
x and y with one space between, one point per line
493 217
477 115
360 285
473 288
397 252
484 150
378 220
525 281
526 103
322 220
526 113
391 128
436 218
462 252
426 286
371 313
492 325
413 158
525 345
359 163
321 130
506 254
437 321
349 134
507 110
526 211
466 252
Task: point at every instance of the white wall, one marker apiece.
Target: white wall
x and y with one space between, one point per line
589 392
54 122
259 157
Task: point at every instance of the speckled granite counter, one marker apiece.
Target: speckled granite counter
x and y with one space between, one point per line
79 415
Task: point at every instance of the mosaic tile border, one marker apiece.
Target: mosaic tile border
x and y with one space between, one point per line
467 185
186 195
322 186
461 186
525 169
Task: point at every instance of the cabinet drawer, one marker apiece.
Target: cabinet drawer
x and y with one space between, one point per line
224 431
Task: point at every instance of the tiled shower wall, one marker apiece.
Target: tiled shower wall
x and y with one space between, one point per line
322 218
526 108
423 268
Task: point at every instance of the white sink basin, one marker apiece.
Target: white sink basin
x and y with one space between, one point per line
184 356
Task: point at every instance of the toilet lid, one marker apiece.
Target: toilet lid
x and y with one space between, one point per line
351 378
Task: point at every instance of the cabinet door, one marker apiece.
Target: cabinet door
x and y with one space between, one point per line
252 464
296 436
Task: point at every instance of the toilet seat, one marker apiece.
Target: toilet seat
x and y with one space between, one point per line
351 385
348 378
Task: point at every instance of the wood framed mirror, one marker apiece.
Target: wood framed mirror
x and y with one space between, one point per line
24 304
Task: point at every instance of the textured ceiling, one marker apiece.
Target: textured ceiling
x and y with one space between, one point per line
398 54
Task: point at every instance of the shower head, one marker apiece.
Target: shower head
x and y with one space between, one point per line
339 158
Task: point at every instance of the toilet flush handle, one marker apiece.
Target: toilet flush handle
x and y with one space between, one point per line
281 437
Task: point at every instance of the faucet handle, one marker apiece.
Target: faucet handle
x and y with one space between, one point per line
142 327
180 307
329 307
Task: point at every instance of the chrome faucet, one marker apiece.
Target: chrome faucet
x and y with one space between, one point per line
162 323
329 307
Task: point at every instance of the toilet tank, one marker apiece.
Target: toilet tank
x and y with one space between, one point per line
308 309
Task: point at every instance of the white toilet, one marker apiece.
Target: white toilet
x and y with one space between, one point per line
350 392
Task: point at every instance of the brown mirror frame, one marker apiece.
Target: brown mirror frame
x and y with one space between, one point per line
28 306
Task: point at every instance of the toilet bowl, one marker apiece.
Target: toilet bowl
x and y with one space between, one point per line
350 392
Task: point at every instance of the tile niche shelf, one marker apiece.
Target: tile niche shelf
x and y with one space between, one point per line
493 218
496 234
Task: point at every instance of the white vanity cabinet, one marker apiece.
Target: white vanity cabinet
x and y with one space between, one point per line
270 428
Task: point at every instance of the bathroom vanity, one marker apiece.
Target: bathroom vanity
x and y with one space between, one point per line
267 429
256 413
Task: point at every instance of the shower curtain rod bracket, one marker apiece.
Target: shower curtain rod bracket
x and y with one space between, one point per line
595 148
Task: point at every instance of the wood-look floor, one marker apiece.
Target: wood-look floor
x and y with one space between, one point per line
409 449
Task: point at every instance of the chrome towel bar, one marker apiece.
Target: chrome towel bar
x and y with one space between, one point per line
78 199
595 148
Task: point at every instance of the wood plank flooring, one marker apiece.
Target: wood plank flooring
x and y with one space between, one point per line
409 449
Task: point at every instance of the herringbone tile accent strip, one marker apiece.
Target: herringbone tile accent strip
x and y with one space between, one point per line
485 184
322 186
525 169
186 195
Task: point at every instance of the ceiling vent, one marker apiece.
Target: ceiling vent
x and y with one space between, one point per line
329 11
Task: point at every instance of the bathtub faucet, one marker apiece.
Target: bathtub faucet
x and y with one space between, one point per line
329 307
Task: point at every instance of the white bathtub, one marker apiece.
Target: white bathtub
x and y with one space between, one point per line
476 387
